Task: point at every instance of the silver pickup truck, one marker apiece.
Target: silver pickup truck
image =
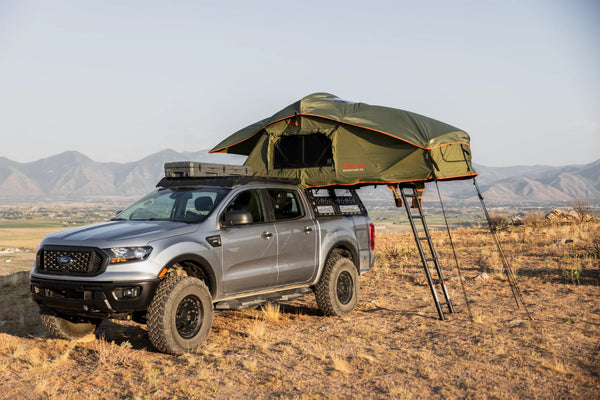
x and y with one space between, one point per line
198 244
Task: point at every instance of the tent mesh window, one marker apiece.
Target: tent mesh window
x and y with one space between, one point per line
303 151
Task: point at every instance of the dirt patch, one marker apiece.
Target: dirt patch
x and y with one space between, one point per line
392 346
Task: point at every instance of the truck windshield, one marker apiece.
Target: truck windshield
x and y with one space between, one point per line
186 205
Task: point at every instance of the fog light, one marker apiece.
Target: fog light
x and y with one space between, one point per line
126 292
131 292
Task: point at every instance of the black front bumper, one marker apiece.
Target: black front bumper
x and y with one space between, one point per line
99 300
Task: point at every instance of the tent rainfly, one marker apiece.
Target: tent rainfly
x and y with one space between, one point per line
323 140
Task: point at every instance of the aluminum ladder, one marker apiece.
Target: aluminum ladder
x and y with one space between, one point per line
430 261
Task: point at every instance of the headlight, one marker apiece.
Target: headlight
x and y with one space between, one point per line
126 254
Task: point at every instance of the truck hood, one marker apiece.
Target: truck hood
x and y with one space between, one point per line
119 233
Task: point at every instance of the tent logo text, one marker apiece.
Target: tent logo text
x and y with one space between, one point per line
353 167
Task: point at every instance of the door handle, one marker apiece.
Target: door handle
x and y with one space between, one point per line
266 235
308 229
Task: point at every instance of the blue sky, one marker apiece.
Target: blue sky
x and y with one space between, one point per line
119 80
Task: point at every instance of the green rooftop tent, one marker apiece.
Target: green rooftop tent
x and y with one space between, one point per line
323 140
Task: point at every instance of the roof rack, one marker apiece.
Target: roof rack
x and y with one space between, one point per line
220 181
193 174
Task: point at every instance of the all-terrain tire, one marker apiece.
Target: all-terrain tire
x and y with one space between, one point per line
338 289
180 315
65 326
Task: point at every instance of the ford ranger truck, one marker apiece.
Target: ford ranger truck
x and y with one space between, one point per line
200 243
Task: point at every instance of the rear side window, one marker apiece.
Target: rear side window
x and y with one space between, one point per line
286 204
303 151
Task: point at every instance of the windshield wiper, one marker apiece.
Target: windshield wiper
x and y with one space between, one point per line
150 219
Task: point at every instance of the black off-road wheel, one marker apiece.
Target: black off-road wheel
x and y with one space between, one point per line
65 326
338 289
180 315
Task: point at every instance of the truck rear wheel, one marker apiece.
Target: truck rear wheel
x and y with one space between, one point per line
65 326
180 315
338 288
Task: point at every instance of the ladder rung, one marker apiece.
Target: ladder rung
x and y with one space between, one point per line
425 238
437 281
430 259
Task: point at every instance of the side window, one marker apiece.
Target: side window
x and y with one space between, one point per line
303 151
248 201
286 204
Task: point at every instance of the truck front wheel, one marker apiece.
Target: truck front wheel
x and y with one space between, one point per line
337 290
180 315
65 326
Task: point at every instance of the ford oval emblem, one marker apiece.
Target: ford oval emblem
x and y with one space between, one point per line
64 260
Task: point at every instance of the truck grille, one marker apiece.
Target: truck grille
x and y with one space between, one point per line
81 261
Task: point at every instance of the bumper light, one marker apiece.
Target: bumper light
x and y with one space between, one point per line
127 254
121 293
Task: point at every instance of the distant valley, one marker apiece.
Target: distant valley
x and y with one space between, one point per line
72 176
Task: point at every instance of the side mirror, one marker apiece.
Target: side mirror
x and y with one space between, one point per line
238 217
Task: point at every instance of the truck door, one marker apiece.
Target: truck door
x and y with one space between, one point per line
296 237
249 250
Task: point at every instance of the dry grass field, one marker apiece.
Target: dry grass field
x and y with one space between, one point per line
392 346
18 244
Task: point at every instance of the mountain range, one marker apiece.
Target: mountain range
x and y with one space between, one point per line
72 176
535 184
